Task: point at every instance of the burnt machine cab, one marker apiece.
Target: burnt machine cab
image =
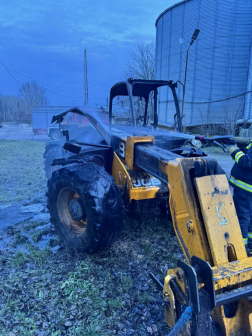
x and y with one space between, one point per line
144 89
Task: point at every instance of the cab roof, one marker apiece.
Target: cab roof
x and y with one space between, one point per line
140 87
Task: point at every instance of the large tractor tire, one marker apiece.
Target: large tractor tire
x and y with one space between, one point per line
51 153
85 206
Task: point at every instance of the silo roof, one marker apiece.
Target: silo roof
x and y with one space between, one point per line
169 8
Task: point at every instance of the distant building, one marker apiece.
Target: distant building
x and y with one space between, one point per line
220 61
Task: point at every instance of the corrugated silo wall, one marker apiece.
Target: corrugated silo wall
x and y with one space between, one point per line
219 60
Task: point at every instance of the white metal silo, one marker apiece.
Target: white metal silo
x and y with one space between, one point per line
220 61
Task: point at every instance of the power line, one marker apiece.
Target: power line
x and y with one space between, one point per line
208 102
10 73
58 94
38 79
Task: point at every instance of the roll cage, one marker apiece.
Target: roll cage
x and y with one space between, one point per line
142 88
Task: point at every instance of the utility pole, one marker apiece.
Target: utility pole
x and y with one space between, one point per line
85 79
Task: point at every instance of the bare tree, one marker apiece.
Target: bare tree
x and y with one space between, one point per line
13 108
33 94
207 124
18 108
233 111
225 123
141 63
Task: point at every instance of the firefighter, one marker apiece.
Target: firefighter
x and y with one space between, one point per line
241 181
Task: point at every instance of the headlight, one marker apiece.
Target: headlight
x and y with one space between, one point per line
196 143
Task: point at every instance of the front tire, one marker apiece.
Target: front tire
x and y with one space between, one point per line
85 206
51 153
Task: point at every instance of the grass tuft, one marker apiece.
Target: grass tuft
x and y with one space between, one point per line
19 259
39 257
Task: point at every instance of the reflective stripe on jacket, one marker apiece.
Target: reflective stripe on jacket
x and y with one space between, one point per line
240 184
241 173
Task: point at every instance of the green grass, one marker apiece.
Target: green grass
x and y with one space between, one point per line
22 170
126 282
33 224
145 298
18 240
39 257
37 235
19 259
115 304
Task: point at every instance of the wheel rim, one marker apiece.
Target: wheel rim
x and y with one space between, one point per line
65 197
55 136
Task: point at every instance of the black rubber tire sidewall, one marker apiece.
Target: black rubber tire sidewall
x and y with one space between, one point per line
102 201
51 153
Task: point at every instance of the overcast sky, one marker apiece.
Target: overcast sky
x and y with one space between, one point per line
46 39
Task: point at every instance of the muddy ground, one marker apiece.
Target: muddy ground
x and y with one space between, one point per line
47 289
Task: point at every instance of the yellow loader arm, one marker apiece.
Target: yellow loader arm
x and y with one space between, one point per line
214 283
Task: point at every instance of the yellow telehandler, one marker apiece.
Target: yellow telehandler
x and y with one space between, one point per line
210 292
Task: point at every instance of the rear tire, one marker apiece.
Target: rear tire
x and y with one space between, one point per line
51 153
98 199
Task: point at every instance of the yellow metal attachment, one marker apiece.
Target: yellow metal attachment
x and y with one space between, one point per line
123 180
130 143
238 325
185 211
169 299
177 276
119 172
206 224
220 219
236 272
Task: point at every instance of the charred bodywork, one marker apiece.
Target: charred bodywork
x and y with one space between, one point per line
71 126
142 149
